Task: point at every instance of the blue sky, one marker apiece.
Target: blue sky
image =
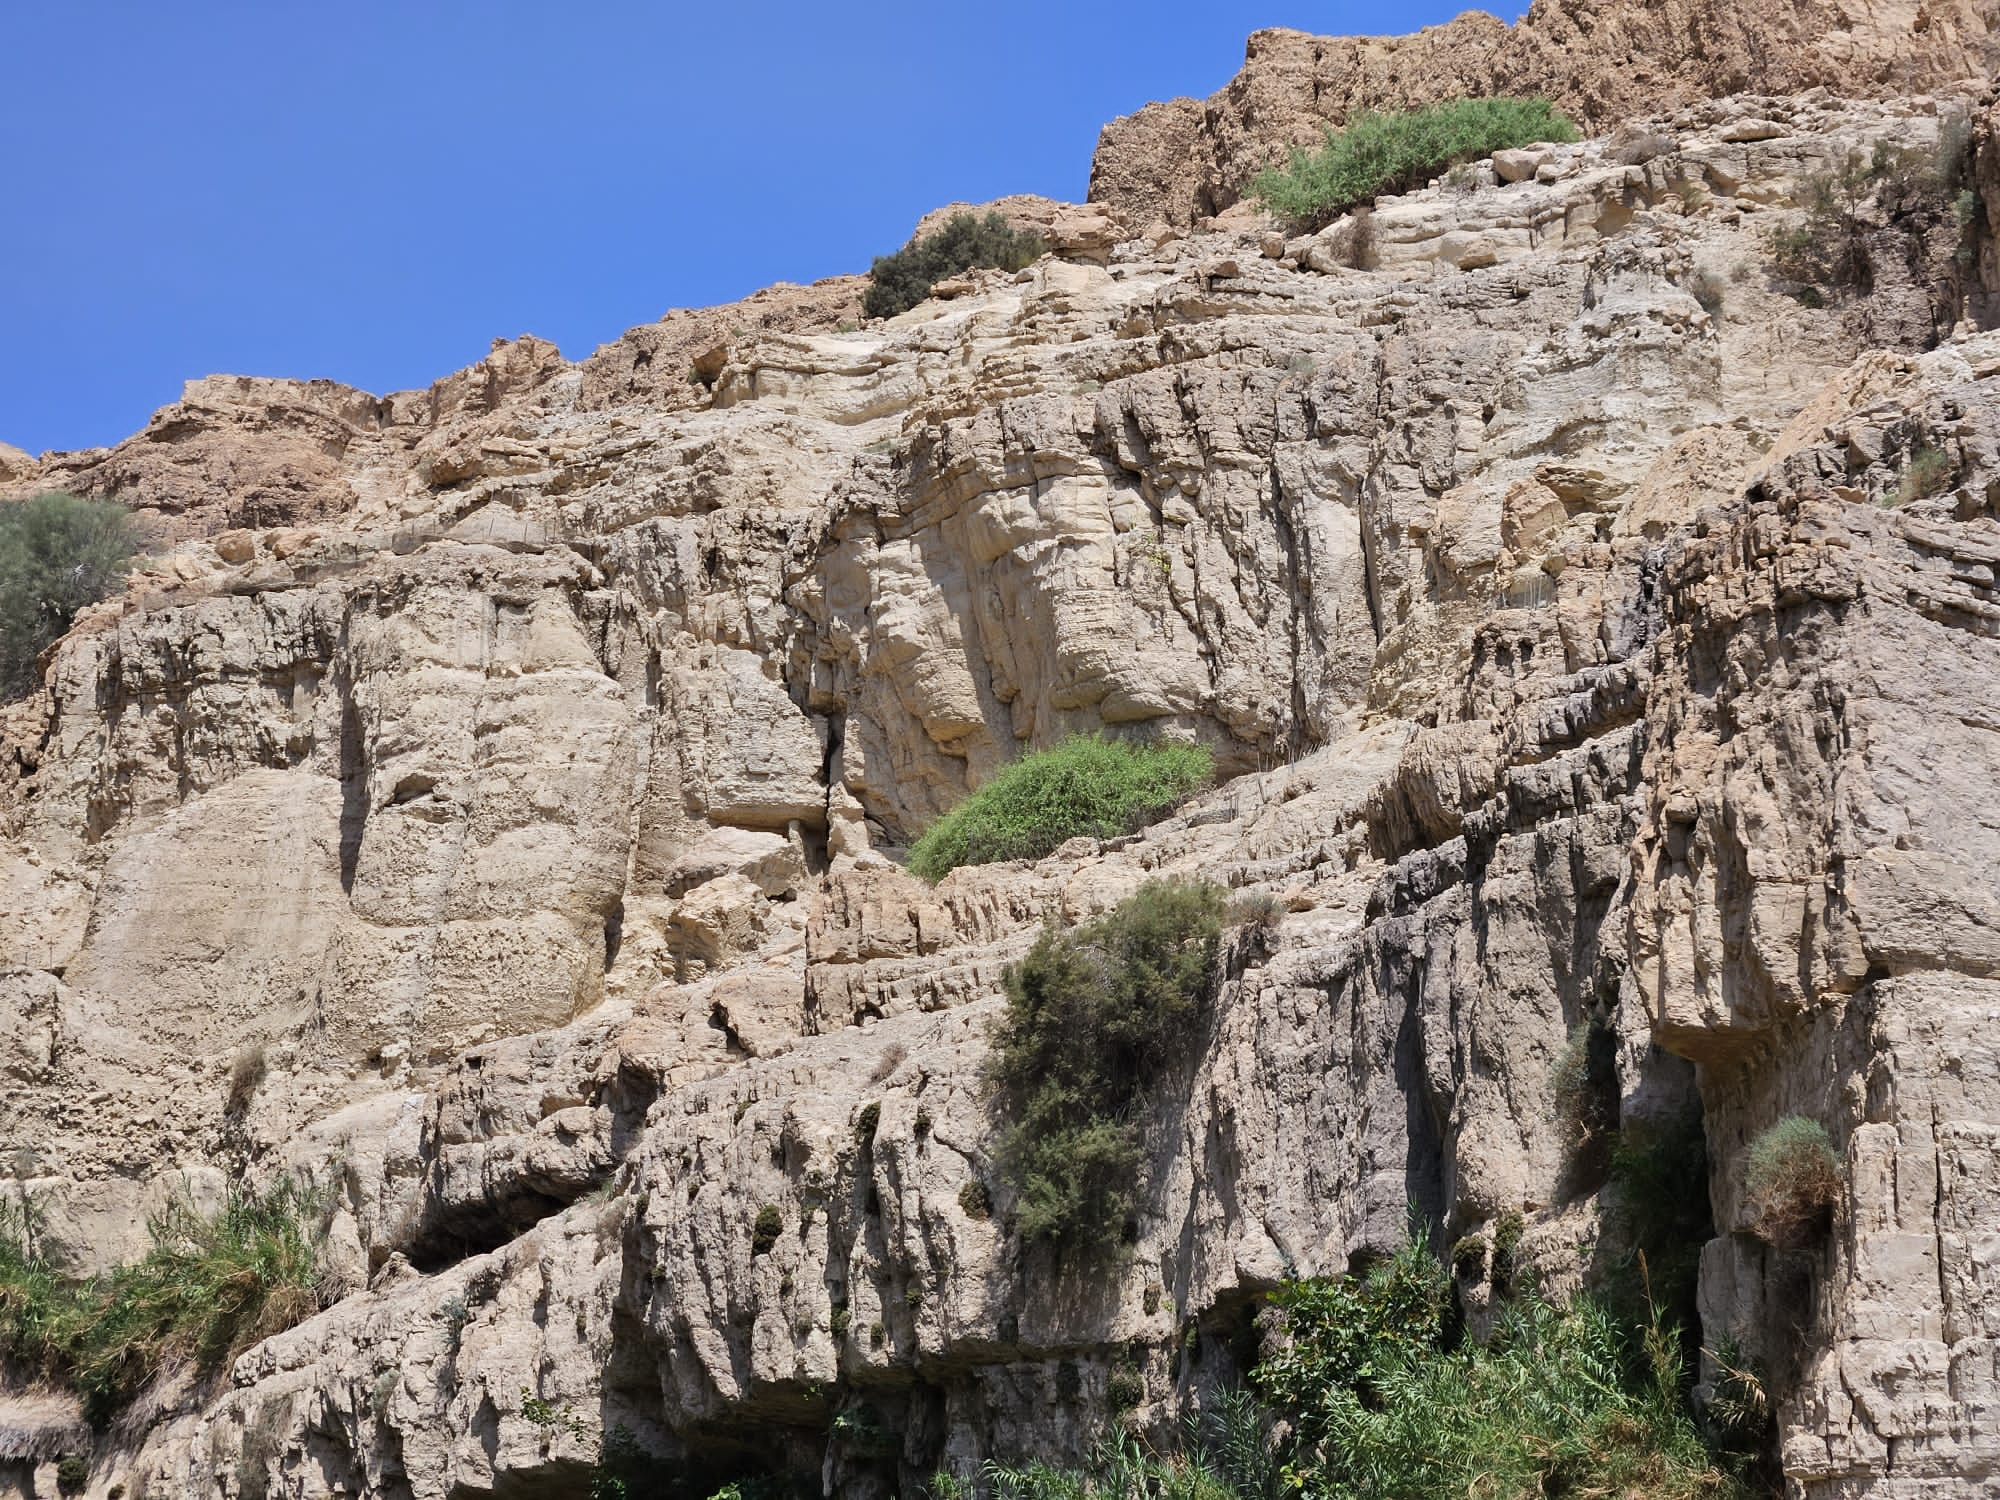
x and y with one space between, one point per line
372 191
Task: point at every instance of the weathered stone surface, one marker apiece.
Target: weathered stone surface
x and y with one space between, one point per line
1568 646
1603 64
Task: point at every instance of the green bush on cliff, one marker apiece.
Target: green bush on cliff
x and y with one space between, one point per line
1093 1015
1396 150
1383 1398
900 281
1377 1395
1793 1180
57 554
1092 787
207 1289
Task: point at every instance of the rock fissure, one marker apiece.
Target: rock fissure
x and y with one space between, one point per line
528 780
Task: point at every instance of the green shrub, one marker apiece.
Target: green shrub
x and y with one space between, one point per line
1561 1400
1828 248
1124 1388
1098 788
1929 471
1793 1180
1395 151
72 1474
1584 1084
867 1123
1507 1237
1259 910
57 554
1658 1217
975 1200
455 1316
1737 1416
1222 1456
1468 1258
764 1233
1553 1404
35 1299
1338 1330
205 1291
1092 1017
900 281
620 1469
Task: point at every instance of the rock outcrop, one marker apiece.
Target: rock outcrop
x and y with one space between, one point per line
1604 63
489 807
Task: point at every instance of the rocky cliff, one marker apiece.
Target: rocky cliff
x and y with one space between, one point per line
488 802
1603 61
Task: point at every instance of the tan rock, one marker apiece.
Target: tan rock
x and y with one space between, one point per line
1187 159
531 821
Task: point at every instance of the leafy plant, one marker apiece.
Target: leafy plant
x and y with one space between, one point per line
1339 1333
1124 1388
206 1290
770 1223
1507 1237
455 1315
1561 1399
1793 1180
1584 1084
861 1430
1094 787
1829 247
1737 1416
58 553
1393 151
900 281
620 1469
1221 1458
1659 1216
1092 1016
1929 471
1261 910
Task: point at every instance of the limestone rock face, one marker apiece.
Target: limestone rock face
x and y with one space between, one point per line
1602 64
489 806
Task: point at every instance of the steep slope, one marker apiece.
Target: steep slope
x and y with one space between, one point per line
521 790
1603 62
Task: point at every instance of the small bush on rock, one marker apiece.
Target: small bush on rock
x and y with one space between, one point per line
1092 1017
1397 150
205 1291
1793 1180
1928 471
57 554
1584 1084
900 281
764 1233
1089 787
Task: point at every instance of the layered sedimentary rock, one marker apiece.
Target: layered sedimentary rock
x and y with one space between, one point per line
502 828
1604 63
